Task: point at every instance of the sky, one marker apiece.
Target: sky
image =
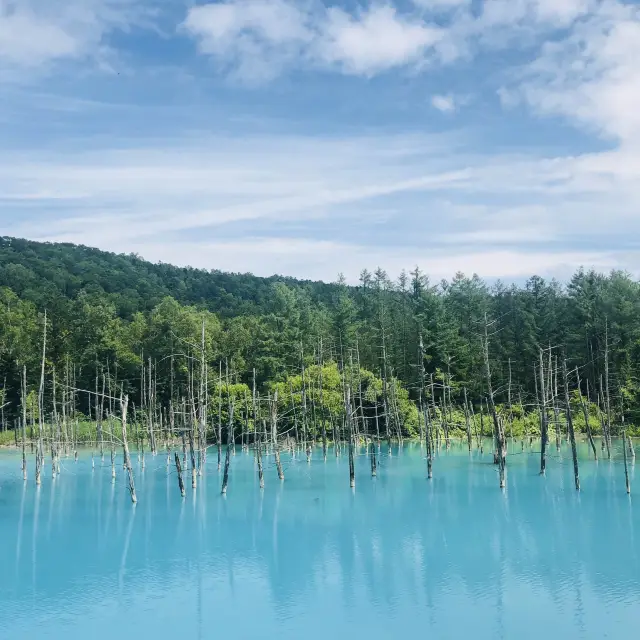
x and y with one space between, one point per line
314 137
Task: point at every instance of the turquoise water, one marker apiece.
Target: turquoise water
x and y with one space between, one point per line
397 557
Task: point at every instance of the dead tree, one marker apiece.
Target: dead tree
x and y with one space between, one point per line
349 419
626 467
124 403
372 456
572 436
40 446
150 411
230 443
219 438
606 385
605 423
295 417
585 412
24 421
498 429
259 461
179 470
274 434
202 404
322 416
192 455
425 409
543 419
467 420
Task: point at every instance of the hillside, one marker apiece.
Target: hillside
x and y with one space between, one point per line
39 272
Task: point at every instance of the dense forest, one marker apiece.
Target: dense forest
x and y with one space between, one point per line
121 315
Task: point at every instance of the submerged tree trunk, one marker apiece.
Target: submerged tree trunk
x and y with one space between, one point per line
499 431
425 410
349 418
230 442
192 454
24 422
572 437
626 467
543 419
467 421
40 446
179 471
124 403
374 461
259 460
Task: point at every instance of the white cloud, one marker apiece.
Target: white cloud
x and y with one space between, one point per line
529 13
592 75
374 41
37 32
27 39
439 6
256 37
446 104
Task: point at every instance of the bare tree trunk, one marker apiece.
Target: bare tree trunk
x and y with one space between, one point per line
295 417
585 411
604 422
24 421
192 454
219 438
259 460
274 435
230 440
225 477
203 401
543 420
606 383
466 419
40 447
626 468
100 413
572 437
347 408
499 431
425 409
322 414
556 413
124 403
374 461
305 423
151 399
179 470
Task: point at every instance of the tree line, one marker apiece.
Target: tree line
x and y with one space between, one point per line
114 316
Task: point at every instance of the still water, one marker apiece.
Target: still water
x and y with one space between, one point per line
398 557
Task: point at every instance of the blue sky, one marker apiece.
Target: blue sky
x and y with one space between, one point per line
308 137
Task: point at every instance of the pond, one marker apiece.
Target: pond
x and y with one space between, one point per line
398 556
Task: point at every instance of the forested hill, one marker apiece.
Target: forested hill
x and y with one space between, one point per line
41 272
106 310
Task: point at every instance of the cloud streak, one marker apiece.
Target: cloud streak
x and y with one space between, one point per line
393 202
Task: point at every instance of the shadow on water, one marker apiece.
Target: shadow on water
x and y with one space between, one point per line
307 557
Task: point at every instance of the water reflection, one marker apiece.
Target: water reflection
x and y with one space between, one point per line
308 557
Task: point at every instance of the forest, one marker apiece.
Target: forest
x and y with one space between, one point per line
409 350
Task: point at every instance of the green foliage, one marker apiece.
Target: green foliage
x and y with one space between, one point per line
117 313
